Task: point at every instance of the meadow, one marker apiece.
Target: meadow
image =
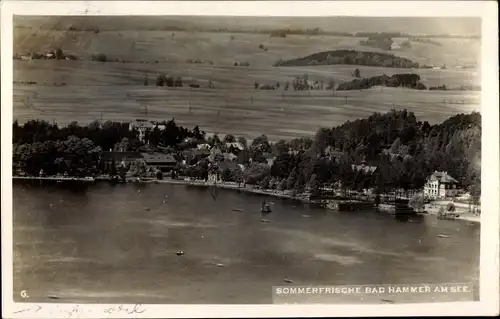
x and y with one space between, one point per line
115 90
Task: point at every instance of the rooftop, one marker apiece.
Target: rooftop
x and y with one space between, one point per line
443 177
236 145
158 158
120 155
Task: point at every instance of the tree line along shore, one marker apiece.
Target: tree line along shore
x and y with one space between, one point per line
386 153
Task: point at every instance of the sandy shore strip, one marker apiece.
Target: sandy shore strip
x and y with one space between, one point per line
463 214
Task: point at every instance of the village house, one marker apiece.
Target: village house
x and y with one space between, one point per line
333 154
203 146
108 159
193 156
160 161
234 148
143 126
214 172
440 185
270 158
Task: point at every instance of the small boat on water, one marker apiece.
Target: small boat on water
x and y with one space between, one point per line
443 236
266 208
237 210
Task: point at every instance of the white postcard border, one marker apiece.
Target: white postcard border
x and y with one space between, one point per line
489 269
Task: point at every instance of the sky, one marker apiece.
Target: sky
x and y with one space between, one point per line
414 25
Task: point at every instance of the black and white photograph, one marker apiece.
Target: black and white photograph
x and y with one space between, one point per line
176 159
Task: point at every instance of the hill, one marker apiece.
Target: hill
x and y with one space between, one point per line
350 57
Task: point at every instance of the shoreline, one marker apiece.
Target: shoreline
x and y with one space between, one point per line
196 183
462 216
224 185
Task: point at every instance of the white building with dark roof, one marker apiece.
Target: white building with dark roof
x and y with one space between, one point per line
234 147
440 185
143 125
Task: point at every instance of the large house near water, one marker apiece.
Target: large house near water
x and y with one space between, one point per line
163 162
142 125
440 185
108 159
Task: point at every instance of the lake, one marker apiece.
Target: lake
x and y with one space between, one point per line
118 244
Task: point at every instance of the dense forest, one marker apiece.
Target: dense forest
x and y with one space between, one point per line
405 152
351 57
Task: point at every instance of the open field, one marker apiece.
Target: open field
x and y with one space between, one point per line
297 114
115 91
226 48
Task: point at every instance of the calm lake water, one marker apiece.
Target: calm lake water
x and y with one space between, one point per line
118 244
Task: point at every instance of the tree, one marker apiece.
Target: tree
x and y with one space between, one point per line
280 148
169 81
321 140
313 183
243 142
261 143
299 186
161 80
417 202
59 54
238 176
450 207
122 171
227 175
357 74
229 138
292 179
282 185
178 82
138 168
214 140
265 183
197 133
99 57
122 146
255 172
395 146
